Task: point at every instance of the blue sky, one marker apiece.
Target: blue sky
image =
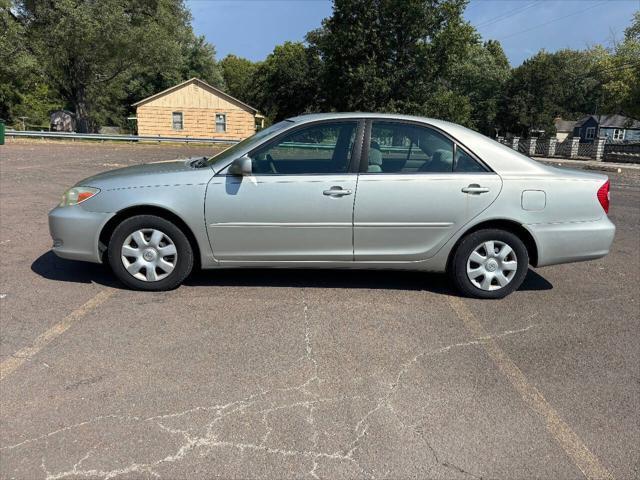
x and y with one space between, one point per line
251 28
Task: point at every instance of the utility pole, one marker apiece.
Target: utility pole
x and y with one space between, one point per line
23 124
597 112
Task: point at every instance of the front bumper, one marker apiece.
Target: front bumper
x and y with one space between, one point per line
76 232
572 242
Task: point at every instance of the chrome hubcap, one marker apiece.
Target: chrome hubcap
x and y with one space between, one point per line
149 255
492 265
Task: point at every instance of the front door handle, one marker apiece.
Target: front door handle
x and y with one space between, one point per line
336 192
475 188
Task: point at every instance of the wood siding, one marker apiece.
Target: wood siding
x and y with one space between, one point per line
199 106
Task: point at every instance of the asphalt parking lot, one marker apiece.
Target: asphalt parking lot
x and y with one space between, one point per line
306 374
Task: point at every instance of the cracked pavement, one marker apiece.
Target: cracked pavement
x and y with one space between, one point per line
302 374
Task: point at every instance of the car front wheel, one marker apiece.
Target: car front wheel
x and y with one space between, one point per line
489 263
147 252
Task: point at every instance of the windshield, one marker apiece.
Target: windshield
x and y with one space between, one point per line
247 143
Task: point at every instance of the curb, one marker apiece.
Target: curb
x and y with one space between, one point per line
599 166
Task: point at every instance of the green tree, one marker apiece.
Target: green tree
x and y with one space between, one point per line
619 73
238 74
633 31
574 83
199 60
286 82
394 55
23 87
480 75
95 53
549 85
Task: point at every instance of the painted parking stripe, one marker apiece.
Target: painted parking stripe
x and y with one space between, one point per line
8 366
570 442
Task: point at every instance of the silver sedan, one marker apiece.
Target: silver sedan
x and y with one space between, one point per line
340 191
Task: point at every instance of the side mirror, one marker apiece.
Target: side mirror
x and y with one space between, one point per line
240 166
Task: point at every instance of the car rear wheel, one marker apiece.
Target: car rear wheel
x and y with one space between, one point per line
489 264
147 252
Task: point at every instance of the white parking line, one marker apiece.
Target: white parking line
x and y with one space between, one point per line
9 365
570 442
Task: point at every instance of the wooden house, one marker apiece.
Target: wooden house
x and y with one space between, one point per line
196 109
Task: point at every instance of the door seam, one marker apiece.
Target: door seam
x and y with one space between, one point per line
353 220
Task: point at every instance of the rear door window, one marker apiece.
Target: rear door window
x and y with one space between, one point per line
406 148
397 147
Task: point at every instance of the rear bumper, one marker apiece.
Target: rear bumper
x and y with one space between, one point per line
76 233
572 242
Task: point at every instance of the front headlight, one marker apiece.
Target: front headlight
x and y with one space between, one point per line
77 195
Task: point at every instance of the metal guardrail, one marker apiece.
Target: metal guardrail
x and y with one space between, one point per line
149 138
124 138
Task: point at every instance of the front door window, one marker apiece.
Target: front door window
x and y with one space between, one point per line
324 148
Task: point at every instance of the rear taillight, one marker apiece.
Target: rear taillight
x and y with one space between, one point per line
603 196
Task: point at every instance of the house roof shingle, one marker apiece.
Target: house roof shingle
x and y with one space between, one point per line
564 125
611 121
201 83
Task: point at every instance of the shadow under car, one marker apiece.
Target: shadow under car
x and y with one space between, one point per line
51 267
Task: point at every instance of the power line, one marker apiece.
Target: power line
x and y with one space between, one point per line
553 20
505 15
607 70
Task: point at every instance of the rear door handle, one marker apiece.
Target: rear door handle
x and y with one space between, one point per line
475 188
336 192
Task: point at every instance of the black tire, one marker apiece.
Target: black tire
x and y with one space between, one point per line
183 259
458 266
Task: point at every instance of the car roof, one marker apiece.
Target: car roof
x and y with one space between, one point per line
335 115
500 158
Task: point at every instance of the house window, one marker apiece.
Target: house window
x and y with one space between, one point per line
591 133
221 123
176 118
618 134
